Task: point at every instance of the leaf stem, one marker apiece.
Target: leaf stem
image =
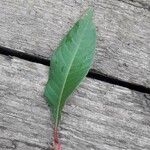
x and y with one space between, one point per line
56 144
56 140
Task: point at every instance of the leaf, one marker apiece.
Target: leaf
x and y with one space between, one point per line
70 63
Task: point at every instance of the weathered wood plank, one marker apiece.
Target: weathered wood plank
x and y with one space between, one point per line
145 4
123 29
99 116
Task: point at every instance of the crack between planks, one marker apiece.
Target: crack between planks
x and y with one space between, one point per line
140 4
92 73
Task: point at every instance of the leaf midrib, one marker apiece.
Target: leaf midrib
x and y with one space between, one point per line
59 102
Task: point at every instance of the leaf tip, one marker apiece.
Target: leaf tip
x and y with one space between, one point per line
90 12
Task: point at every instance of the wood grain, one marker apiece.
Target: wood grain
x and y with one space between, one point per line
123 32
99 116
145 4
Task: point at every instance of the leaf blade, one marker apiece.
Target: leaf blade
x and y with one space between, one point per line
70 63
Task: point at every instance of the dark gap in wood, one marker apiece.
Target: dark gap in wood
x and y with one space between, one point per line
112 80
23 55
92 73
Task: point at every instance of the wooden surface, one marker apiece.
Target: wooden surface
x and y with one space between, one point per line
99 116
123 32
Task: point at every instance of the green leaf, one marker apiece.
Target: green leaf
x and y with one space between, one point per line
70 63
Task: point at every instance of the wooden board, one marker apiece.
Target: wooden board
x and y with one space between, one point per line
145 4
123 32
99 116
